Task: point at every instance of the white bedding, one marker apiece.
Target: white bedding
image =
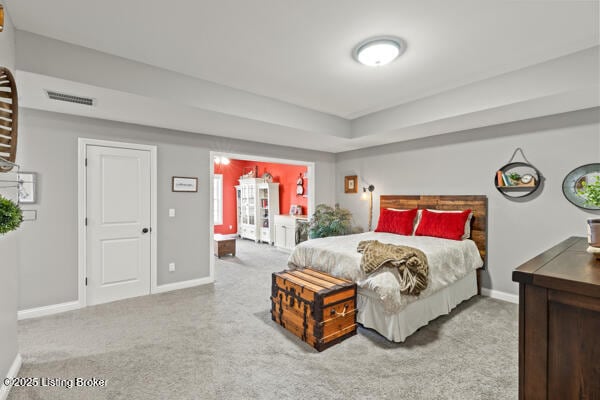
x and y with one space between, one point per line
449 261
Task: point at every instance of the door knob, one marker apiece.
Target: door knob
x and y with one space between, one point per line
145 230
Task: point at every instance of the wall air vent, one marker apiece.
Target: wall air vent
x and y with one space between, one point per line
69 98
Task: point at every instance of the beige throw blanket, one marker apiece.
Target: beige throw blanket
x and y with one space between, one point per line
411 263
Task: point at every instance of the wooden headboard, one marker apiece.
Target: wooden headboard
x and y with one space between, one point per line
478 204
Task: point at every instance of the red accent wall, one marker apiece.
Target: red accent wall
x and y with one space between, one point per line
231 173
285 174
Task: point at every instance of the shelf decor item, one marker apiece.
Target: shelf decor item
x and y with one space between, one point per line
300 186
267 177
518 179
594 232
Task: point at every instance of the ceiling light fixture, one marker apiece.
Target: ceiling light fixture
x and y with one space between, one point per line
379 51
222 160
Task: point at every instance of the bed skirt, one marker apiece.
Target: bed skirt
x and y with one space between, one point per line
397 327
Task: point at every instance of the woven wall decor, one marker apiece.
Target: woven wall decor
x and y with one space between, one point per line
9 114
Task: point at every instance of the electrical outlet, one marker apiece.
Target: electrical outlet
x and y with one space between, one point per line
230 227
171 267
171 212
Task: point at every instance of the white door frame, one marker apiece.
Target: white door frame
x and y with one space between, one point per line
82 210
211 171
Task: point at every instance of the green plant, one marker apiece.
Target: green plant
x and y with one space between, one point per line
302 231
591 192
11 216
514 176
330 221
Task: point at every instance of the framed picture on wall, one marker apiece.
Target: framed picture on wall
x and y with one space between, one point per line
26 183
293 209
184 184
351 184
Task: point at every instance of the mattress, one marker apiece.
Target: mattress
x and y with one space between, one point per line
449 261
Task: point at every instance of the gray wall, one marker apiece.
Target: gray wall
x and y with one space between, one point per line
48 146
8 243
466 162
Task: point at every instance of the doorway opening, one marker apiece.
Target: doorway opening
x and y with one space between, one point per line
259 199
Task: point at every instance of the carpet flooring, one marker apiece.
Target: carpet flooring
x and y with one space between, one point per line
218 342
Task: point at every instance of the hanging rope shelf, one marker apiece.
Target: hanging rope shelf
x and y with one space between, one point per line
9 115
518 179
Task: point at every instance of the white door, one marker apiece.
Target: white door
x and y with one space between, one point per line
118 223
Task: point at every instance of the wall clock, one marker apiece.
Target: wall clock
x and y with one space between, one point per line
300 186
574 182
527 179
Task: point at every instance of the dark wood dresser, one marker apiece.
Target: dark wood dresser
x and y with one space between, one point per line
559 323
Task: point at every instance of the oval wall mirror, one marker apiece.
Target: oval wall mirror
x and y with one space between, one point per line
582 186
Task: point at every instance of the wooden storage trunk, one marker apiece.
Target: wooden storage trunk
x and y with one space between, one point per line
318 308
224 245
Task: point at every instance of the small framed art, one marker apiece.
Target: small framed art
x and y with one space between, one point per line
351 184
184 184
27 181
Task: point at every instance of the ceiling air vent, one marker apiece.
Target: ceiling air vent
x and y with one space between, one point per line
69 98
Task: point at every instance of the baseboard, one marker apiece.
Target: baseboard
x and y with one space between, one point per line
74 305
183 285
496 294
13 372
48 310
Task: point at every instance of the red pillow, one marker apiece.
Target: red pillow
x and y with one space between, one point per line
398 222
442 225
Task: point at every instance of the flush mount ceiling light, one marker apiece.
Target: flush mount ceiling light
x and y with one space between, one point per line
221 160
379 51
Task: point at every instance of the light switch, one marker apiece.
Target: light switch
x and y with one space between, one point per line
171 267
171 212
29 215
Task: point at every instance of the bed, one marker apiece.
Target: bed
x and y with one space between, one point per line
454 273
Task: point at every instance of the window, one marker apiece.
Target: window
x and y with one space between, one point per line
218 199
